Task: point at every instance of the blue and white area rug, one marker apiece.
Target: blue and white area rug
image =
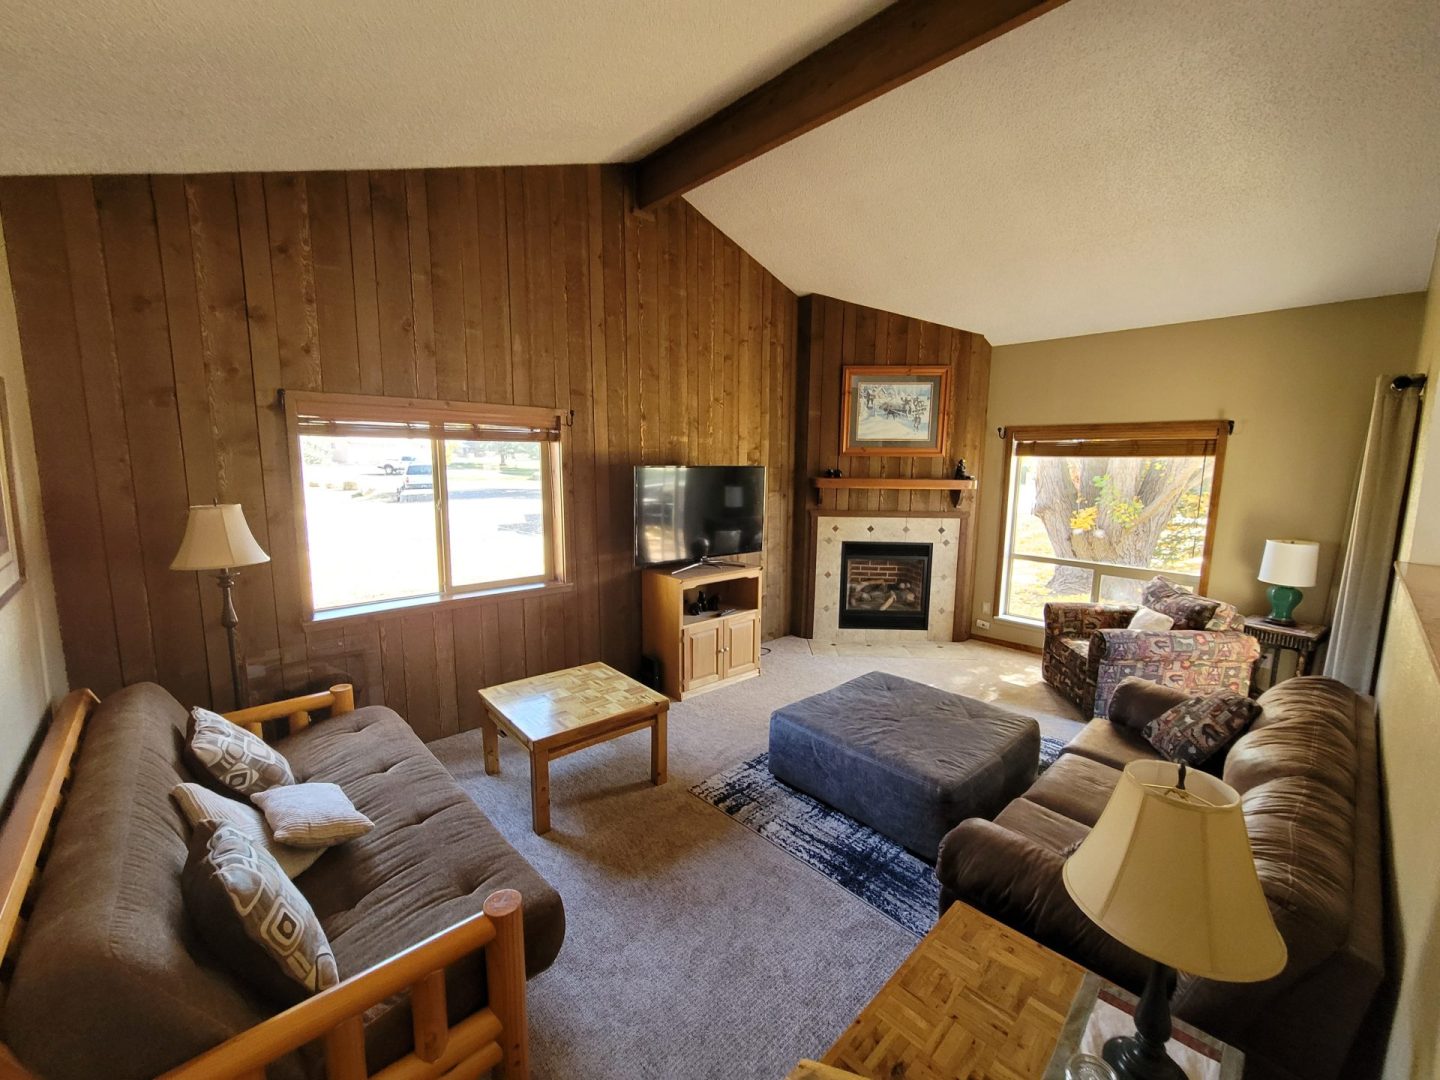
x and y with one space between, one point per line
879 871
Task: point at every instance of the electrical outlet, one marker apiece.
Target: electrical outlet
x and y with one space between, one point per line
983 624
985 609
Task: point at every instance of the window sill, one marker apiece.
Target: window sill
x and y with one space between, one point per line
415 605
1021 623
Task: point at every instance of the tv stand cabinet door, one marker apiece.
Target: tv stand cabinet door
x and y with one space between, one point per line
741 645
701 659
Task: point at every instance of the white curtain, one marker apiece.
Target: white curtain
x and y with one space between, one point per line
1369 555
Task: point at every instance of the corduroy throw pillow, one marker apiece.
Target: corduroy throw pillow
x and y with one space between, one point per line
311 815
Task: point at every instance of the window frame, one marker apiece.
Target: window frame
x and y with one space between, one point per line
1126 436
438 422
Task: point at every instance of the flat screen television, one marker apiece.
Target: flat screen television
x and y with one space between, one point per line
687 513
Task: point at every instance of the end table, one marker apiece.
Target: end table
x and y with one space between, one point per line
1303 639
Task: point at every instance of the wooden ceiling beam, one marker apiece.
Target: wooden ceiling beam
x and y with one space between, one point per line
900 43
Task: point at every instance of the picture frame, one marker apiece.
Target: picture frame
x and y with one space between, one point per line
895 411
12 557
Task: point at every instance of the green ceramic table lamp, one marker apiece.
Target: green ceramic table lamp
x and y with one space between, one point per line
1288 566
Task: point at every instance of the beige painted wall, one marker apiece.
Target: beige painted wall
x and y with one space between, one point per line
32 668
1409 706
1298 384
1420 539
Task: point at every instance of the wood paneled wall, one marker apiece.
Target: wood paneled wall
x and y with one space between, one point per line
160 315
834 333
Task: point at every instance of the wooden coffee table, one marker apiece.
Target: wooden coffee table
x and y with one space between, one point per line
560 712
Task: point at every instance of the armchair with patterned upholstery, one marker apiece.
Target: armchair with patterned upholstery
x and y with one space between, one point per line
1089 649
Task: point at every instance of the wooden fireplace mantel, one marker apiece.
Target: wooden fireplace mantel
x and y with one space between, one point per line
893 483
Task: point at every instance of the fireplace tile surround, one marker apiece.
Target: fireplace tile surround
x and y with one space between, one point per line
941 532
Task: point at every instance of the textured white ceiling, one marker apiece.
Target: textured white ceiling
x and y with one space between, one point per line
1121 163
220 85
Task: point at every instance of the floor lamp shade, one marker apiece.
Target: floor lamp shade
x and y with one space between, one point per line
1168 871
217 538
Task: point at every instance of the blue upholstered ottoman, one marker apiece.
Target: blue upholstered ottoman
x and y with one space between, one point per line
908 760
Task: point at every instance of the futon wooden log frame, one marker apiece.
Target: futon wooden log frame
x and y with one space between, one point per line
492 1038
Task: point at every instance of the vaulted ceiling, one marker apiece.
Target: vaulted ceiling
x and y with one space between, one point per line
1112 164
1121 163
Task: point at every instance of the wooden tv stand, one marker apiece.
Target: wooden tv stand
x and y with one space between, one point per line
701 652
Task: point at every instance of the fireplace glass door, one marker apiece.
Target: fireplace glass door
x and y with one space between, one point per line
884 586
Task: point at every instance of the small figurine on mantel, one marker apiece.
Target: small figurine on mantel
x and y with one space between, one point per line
961 472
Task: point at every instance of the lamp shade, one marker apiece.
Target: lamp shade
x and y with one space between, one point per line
1290 562
1168 872
217 538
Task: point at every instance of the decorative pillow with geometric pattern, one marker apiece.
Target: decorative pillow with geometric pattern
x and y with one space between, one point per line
1189 611
257 923
231 759
1198 728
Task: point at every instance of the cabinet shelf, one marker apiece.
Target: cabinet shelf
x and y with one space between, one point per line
710 616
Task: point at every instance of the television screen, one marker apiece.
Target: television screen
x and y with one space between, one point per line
686 513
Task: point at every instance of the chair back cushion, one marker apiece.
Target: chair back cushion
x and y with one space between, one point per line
1190 612
110 980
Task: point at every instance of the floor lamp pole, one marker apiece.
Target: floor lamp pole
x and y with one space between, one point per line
231 621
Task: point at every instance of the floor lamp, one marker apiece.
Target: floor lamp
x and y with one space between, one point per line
217 538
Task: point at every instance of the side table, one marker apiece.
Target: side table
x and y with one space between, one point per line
978 999
1303 639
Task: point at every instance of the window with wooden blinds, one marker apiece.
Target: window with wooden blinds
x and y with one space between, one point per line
407 501
1095 510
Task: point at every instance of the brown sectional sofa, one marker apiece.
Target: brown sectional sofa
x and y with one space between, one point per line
110 961
1308 778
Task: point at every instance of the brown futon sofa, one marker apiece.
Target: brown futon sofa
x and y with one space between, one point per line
1308 779
111 981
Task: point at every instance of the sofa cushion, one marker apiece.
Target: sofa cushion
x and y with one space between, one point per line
1043 826
1137 701
1110 744
202 806
108 946
231 759
430 861
252 916
1076 787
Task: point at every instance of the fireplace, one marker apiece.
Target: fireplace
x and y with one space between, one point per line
884 586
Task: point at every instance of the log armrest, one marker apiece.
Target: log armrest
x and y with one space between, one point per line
493 1037
295 711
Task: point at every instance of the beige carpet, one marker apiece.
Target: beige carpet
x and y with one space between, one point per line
694 948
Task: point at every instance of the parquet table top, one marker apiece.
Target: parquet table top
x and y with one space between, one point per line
562 703
975 999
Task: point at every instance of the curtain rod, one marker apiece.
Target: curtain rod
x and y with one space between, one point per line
1407 382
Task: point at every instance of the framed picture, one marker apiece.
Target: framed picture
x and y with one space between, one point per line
895 411
12 562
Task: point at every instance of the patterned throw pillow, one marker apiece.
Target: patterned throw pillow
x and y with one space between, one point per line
1199 727
245 908
311 815
201 806
231 759
1189 611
